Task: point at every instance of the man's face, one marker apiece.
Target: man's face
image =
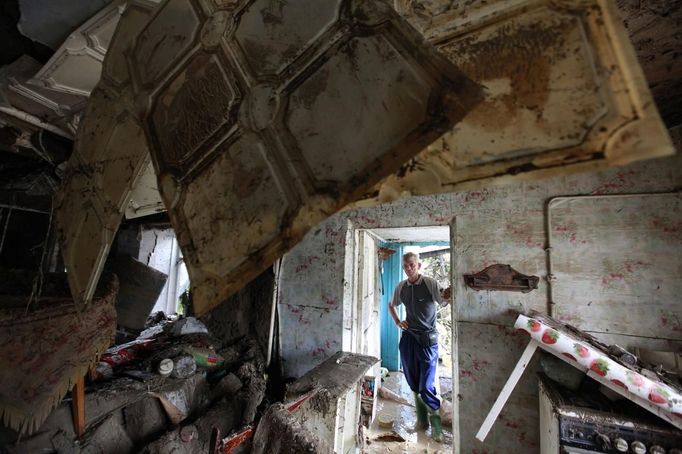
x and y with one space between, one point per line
411 267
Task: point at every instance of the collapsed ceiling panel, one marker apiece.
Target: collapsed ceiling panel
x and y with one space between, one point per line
51 22
76 66
564 93
110 154
261 119
266 119
56 93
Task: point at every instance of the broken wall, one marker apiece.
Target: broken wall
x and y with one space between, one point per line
248 312
494 225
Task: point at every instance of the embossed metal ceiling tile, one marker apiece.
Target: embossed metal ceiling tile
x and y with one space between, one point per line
364 101
430 172
109 153
272 34
542 97
124 158
165 39
195 105
250 212
52 107
97 126
115 67
86 248
229 235
73 210
76 66
647 137
530 127
100 32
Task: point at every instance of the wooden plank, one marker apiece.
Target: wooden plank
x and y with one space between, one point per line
507 390
78 406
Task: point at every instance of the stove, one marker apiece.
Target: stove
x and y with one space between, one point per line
585 421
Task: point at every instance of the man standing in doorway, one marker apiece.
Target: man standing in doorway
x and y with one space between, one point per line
419 340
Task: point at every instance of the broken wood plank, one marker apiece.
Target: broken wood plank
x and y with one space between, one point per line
507 390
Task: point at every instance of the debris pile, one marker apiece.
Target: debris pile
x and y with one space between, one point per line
169 387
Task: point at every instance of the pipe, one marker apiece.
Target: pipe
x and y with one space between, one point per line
4 230
172 293
35 121
20 208
454 339
554 201
276 269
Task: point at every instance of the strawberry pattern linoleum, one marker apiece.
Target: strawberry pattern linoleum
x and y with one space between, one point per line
583 355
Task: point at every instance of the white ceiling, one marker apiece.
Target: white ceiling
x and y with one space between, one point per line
413 234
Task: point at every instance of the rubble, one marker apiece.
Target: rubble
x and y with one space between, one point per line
132 407
223 416
280 432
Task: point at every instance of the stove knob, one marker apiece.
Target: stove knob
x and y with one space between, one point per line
604 442
621 445
655 449
638 447
675 451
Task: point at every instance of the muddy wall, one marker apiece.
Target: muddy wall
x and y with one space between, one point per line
247 313
501 224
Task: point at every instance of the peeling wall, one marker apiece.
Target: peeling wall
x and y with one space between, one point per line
500 224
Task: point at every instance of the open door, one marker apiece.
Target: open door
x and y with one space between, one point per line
263 118
365 332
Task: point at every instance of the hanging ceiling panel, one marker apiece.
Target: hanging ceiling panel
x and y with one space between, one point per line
110 154
261 119
565 93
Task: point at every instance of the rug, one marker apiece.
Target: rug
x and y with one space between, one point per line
44 350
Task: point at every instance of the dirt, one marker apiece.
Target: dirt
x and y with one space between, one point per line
280 432
253 393
522 54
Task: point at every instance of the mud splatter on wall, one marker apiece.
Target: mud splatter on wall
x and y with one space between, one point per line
502 224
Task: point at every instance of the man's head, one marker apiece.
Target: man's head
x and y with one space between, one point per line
411 265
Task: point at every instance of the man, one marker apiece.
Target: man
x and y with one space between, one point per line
419 340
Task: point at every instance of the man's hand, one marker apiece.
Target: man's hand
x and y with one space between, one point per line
446 294
402 324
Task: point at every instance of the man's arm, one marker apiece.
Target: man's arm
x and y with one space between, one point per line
392 304
402 324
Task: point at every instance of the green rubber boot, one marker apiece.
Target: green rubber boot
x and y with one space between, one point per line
422 415
436 426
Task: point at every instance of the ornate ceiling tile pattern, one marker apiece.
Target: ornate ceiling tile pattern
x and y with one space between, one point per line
261 118
264 118
256 143
565 93
110 154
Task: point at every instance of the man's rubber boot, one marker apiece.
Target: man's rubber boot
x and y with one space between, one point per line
436 426
422 412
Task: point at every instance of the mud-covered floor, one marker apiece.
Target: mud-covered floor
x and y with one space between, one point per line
405 419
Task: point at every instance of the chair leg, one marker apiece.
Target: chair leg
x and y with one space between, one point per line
78 406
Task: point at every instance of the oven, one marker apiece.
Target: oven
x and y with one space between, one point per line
585 421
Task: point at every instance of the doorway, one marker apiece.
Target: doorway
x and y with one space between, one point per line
433 244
